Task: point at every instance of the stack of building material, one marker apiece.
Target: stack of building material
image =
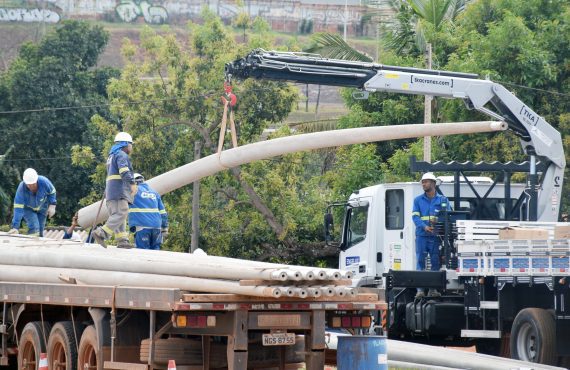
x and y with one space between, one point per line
40 260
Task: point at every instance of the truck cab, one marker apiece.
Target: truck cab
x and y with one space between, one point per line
378 233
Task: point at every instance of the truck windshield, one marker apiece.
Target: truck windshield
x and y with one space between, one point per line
357 219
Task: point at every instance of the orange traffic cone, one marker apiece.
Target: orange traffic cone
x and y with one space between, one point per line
171 365
43 362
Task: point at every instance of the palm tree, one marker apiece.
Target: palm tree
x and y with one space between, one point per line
332 46
414 17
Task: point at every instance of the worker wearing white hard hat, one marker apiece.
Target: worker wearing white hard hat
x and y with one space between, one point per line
120 188
34 201
424 214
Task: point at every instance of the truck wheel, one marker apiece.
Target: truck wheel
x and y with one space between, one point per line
87 352
32 343
62 346
533 336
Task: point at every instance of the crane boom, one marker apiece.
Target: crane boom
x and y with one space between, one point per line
538 138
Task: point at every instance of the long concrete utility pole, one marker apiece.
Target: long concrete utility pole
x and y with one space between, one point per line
214 163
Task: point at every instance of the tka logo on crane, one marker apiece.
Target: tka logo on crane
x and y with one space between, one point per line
529 116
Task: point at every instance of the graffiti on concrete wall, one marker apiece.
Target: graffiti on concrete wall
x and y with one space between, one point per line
28 15
130 10
291 11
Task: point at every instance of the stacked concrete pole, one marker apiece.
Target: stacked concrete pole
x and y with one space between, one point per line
39 260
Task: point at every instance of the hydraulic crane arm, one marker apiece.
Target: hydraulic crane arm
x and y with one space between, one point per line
538 137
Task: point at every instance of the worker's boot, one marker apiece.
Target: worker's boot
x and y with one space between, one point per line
124 243
99 236
433 293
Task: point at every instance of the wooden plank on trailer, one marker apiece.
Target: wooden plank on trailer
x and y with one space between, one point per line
124 366
230 298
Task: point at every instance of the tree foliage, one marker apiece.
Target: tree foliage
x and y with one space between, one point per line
56 73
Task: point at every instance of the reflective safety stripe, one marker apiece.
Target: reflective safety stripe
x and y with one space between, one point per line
121 235
53 192
425 218
415 213
107 230
143 210
443 204
162 211
123 169
18 205
114 177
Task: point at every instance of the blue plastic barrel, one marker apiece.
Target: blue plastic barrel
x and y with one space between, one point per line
362 352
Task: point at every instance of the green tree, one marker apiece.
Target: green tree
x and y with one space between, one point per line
242 21
271 209
525 46
52 88
419 22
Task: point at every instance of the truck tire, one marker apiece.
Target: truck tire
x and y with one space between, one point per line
32 344
87 352
533 337
183 351
62 346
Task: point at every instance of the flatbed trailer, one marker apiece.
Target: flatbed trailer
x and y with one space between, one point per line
119 327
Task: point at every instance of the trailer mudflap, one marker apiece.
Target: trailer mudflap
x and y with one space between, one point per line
563 337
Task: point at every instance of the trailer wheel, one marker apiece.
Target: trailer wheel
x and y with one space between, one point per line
87 352
533 336
62 346
32 343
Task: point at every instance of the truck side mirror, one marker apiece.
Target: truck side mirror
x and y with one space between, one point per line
328 228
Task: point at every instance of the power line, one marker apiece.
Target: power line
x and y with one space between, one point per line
137 102
134 102
535 89
48 109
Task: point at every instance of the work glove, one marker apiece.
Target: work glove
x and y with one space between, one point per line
51 210
164 233
134 189
13 231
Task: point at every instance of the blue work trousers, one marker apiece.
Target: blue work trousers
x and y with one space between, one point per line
36 221
427 245
148 239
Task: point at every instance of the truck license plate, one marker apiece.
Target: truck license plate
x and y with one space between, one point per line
279 339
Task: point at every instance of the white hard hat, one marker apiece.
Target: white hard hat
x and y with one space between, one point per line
429 176
123 136
30 176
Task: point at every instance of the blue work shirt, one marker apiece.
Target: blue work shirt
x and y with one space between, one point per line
147 209
119 177
38 202
427 209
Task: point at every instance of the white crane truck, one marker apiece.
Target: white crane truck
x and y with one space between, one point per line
507 297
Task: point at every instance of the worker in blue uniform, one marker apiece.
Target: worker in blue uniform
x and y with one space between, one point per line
147 217
34 201
120 188
424 214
